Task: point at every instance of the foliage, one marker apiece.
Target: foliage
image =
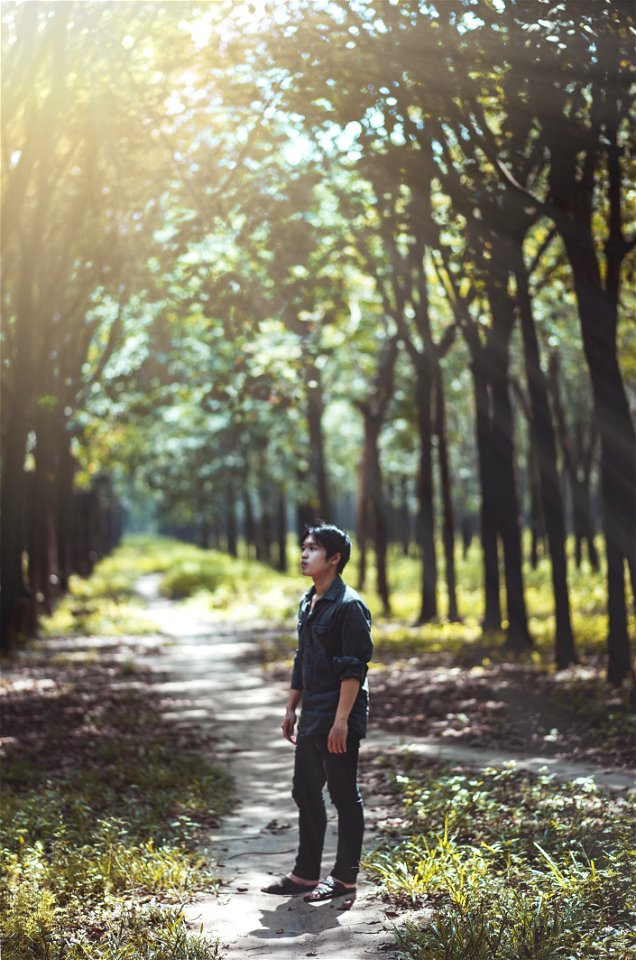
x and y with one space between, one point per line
513 866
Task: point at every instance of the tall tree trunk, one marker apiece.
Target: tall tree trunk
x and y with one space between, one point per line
250 523
405 517
13 595
281 529
266 535
598 312
43 509
231 524
573 179
65 478
578 456
467 530
375 492
506 498
423 392
487 509
371 498
546 458
362 522
320 499
537 522
448 524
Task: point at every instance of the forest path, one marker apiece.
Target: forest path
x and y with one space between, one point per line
209 675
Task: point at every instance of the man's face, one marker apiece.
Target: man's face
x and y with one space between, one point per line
314 561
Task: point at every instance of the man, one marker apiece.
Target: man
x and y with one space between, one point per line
329 676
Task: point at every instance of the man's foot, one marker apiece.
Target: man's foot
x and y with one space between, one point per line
289 886
329 889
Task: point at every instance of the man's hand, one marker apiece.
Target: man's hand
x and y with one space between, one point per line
337 742
289 722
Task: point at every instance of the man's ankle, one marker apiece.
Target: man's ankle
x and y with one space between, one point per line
350 886
302 880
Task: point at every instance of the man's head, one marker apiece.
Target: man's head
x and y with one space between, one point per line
332 538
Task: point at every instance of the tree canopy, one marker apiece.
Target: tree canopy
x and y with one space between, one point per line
365 260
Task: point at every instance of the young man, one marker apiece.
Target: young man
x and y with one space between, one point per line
330 678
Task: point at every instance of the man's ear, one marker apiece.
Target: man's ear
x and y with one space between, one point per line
335 559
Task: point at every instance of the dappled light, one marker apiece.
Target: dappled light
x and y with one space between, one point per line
266 264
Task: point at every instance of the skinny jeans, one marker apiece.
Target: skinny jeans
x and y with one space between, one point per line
314 766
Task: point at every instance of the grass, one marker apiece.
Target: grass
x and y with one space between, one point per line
103 807
104 803
106 603
509 866
506 866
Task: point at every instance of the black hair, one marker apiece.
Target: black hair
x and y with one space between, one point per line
332 538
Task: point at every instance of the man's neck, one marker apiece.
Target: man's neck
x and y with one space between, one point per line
323 584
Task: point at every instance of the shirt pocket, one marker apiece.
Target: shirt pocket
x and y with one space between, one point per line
323 651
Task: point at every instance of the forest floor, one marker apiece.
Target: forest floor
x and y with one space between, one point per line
213 675
208 679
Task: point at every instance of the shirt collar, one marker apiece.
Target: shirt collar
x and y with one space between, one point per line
334 591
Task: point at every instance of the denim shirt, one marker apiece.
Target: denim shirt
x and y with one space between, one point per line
334 643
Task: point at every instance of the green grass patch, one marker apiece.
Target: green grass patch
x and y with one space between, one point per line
240 589
106 603
104 809
245 590
510 866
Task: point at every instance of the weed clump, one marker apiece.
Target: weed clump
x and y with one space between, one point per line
511 866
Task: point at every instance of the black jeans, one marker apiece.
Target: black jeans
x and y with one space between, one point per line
313 766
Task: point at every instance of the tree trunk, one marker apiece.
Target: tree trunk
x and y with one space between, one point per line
320 499
506 499
598 312
231 525
404 516
544 443
487 510
448 525
42 549
281 529
65 478
362 523
578 457
374 487
537 523
13 595
518 635
467 530
250 524
423 392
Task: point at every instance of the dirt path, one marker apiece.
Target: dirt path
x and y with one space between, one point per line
209 674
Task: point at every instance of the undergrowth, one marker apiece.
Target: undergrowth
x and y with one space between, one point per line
510 867
103 808
242 589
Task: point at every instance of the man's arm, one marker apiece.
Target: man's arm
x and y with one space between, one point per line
289 720
337 742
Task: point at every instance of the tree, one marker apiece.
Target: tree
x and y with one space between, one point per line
579 95
79 201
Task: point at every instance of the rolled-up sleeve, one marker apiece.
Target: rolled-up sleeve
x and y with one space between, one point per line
357 645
